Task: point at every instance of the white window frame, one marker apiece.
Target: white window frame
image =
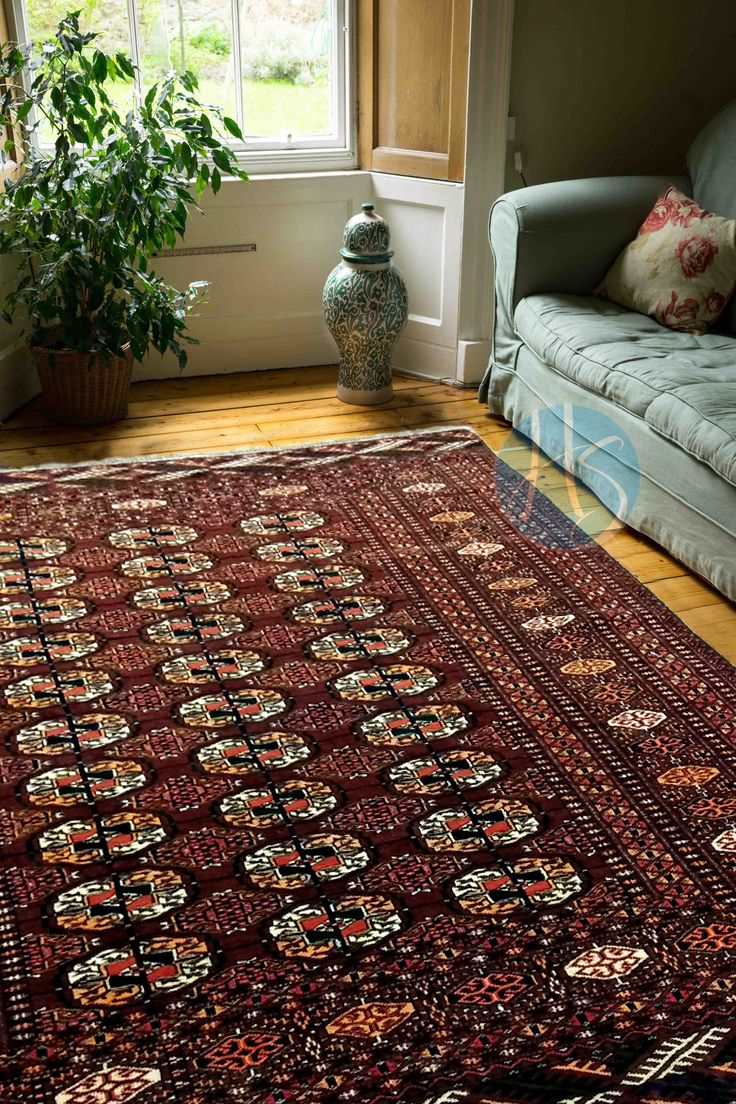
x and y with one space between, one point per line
285 154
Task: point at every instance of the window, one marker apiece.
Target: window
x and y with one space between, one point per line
280 67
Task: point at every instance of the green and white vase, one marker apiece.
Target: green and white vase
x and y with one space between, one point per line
366 307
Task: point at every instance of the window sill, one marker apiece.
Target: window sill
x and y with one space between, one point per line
297 161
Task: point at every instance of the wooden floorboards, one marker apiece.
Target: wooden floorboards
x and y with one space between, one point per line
293 405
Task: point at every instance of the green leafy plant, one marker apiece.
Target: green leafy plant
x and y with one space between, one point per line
86 217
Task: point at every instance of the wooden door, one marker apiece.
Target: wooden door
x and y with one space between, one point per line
412 86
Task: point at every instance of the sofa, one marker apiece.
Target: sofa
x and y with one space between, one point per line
643 415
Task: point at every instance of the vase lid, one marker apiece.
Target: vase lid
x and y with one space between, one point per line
366 238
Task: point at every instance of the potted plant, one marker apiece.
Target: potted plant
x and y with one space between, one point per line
87 213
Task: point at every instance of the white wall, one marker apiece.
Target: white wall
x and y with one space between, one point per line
602 89
264 309
425 217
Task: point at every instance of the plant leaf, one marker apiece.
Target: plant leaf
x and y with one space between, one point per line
232 127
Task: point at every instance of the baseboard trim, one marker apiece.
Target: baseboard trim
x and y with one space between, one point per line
254 355
423 358
417 359
472 361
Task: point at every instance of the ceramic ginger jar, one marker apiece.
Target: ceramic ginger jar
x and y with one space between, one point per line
366 306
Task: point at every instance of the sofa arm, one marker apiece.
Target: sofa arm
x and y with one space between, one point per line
562 237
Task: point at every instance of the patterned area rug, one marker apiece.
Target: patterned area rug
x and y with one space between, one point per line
324 783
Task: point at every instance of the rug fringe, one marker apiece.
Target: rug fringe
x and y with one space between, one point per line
112 461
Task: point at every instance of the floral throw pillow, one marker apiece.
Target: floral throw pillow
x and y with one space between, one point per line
680 267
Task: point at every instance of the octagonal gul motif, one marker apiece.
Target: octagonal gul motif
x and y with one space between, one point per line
291 521
445 772
452 517
538 882
216 667
606 963
493 989
140 504
694 774
217 710
513 582
353 644
113 1085
166 565
548 622
423 487
278 804
330 577
99 781
310 548
292 864
26 651
352 923
55 737
420 724
713 808
400 680
587 666
189 629
136 896
66 688
181 595
530 601
637 718
326 611
725 842
483 824
153 536
283 490
718 937
18 580
243 1052
31 548
44 611
119 835
116 977
263 751
374 1020
481 549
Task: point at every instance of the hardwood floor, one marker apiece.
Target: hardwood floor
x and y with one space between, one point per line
293 405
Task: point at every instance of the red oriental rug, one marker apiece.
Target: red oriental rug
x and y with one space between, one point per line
323 783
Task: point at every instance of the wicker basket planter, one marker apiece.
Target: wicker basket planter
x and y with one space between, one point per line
83 388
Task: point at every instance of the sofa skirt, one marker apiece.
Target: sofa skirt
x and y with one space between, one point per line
647 481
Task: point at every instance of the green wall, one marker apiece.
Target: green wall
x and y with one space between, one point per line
603 87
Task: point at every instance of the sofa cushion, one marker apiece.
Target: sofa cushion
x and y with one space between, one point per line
682 385
711 163
680 267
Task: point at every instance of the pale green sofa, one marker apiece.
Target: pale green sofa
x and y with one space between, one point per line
566 368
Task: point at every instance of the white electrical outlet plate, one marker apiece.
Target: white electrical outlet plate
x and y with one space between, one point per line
510 128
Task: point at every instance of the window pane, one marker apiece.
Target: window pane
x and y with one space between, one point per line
287 63
189 34
107 18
